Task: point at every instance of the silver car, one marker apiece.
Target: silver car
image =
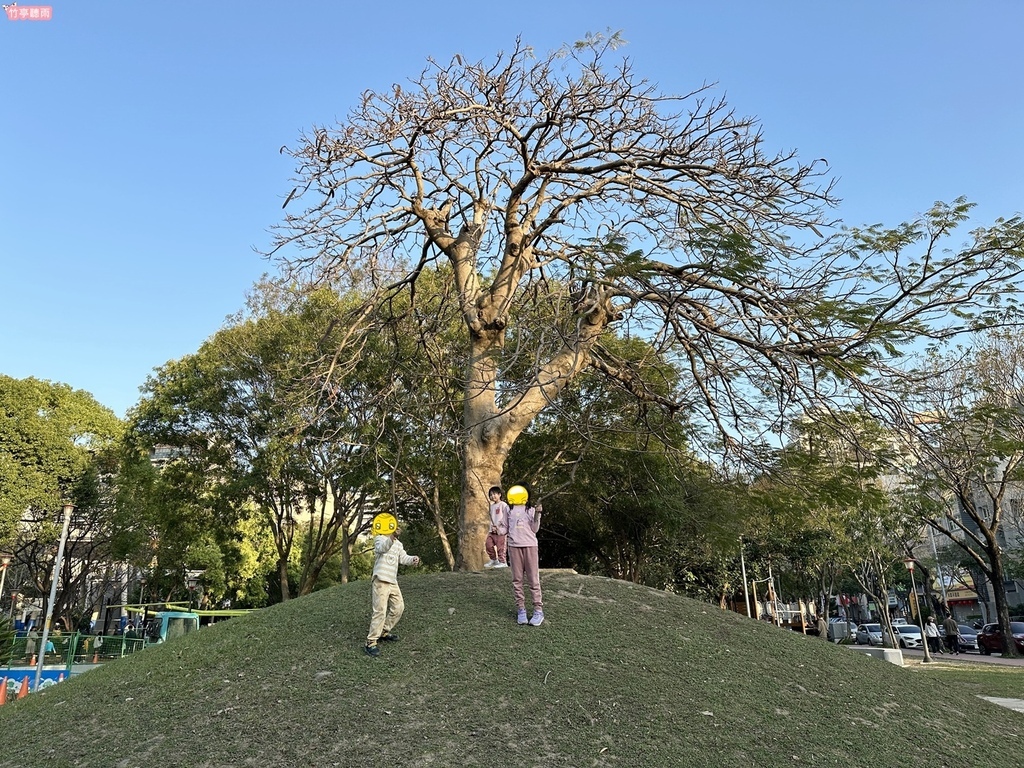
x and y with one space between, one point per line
869 634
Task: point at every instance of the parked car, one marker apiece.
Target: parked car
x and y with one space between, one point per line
909 635
968 638
869 634
990 639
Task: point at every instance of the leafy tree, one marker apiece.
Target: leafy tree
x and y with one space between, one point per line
252 423
962 429
623 496
56 447
420 402
169 520
569 183
6 641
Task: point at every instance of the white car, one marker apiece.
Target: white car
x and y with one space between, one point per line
908 635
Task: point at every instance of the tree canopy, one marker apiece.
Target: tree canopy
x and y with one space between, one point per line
567 181
57 447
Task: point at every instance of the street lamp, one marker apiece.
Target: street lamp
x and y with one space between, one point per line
192 578
909 562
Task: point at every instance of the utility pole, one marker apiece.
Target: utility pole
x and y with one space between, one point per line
68 509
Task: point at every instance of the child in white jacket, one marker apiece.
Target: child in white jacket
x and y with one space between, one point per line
386 597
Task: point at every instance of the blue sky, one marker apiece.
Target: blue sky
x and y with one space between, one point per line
139 162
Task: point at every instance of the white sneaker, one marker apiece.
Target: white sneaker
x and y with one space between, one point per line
499 564
490 563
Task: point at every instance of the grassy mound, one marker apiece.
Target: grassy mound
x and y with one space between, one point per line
619 675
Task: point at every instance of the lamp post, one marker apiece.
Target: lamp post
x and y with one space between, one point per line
909 562
68 509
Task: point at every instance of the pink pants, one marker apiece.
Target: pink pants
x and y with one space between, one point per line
495 547
525 563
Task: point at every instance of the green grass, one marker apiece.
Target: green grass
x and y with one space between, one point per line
620 675
978 678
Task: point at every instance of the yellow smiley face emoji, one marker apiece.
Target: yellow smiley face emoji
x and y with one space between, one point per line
384 524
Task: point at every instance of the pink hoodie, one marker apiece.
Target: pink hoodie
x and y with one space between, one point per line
523 523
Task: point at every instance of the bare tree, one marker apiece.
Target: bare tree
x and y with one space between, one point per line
568 183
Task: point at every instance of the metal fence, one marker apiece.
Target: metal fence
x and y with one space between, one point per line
71 649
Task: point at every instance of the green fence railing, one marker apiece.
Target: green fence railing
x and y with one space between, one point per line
73 648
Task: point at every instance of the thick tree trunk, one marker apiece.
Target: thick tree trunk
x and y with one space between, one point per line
282 570
997 578
482 467
486 444
491 430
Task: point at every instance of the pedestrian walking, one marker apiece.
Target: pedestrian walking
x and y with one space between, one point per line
931 632
952 634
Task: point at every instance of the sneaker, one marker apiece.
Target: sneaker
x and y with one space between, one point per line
521 619
496 566
490 563
371 650
537 619
390 637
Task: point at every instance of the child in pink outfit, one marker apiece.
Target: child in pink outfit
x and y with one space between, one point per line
523 524
495 546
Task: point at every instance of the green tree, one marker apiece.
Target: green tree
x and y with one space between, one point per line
623 495
566 181
962 430
56 447
252 423
832 511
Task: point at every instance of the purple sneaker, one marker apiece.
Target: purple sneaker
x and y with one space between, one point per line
537 619
521 618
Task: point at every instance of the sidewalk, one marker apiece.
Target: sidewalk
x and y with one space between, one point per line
971 658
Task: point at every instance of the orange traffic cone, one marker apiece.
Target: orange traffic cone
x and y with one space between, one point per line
23 691
3 692
60 678
96 657
34 660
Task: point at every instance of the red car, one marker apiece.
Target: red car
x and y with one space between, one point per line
990 639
